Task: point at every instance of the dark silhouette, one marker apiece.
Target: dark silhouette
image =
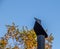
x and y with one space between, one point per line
38 28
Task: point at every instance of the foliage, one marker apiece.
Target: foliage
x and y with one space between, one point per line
26 37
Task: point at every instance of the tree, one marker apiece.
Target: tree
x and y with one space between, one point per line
26 38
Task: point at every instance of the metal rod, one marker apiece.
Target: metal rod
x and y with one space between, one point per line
41 42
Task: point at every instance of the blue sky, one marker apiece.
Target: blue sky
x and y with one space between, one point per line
22 12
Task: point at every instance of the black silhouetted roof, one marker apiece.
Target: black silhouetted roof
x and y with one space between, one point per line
39 29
